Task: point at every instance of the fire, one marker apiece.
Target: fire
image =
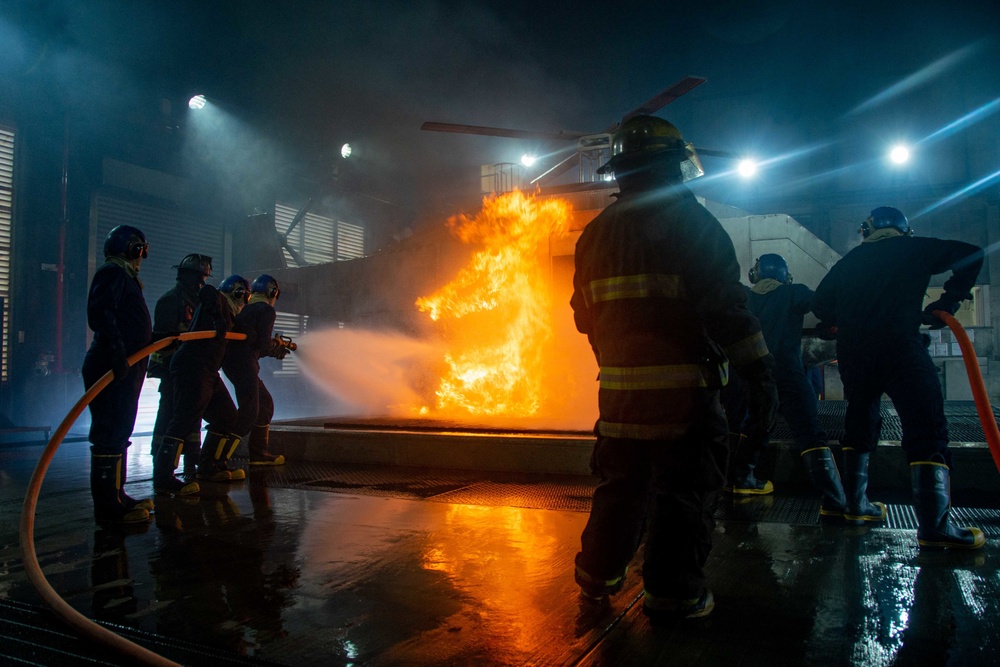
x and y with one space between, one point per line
496 314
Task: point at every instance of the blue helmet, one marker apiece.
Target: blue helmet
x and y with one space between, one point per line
266 285
885 217
237 287
770 266
126 241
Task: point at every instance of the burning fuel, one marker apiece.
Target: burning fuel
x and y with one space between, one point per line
499 346
495 316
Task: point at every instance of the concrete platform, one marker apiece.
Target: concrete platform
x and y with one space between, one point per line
335 564
424 443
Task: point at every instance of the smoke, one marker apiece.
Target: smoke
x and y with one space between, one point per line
391 374
379 373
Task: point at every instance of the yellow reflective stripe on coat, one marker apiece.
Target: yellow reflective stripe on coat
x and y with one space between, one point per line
642 431
749 349
631 378
634 287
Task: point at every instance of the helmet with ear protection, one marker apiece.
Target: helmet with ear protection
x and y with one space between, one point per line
266 285
770 266
237 287
126 241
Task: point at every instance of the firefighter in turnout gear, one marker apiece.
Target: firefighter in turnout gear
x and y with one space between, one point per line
172 316
657 292
242 367
117 314
780 306
873 297
199 393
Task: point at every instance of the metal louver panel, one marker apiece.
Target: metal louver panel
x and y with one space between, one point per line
350 240
289 324
6 211
312 238
171 235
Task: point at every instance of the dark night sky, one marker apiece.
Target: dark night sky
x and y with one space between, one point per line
830 82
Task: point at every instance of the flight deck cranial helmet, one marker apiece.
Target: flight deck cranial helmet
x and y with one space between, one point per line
126 241
643 139
885 217
770 266
237 287
266 285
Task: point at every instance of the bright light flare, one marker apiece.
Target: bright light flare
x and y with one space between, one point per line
496 313
197 102
747 168
528 160
345 151
899 154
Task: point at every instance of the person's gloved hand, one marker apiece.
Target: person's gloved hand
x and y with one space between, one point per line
826 331
945 303
762 392
119 362
221 328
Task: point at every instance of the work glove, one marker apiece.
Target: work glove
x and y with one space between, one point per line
826 331
119 362
221 328
946 303
762 392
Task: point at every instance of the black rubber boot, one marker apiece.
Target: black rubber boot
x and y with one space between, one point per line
105 489
214 462
932 503
859 508
259 456
192 454
127 500
821 469
164 464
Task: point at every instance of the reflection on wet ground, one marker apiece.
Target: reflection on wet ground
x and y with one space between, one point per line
410 567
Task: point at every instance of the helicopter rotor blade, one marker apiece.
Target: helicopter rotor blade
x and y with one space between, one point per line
562 135
295 255
711 152
665 97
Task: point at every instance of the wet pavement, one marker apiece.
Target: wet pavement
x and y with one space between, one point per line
317 564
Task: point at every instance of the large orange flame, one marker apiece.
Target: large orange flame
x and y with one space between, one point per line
496 314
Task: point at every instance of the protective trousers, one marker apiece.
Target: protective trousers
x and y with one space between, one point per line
904 371
113 411
669 485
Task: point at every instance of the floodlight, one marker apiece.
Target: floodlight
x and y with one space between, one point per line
747 168
196 102
345 151
527 160
899 154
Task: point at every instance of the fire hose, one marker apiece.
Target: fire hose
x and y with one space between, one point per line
979 394
83 625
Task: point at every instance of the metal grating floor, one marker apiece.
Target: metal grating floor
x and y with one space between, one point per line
963 421
564 493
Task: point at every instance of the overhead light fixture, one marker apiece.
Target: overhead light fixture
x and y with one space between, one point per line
197 102
345 151
747 168
899 154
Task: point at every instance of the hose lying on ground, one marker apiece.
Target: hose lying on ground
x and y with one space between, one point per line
83 625
979 394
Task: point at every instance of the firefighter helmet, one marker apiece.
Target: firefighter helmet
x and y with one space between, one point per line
645 138
198 263
237 287
770 266
885 217
266 285
126 241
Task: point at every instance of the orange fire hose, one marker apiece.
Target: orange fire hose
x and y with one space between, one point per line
83 625
979 394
